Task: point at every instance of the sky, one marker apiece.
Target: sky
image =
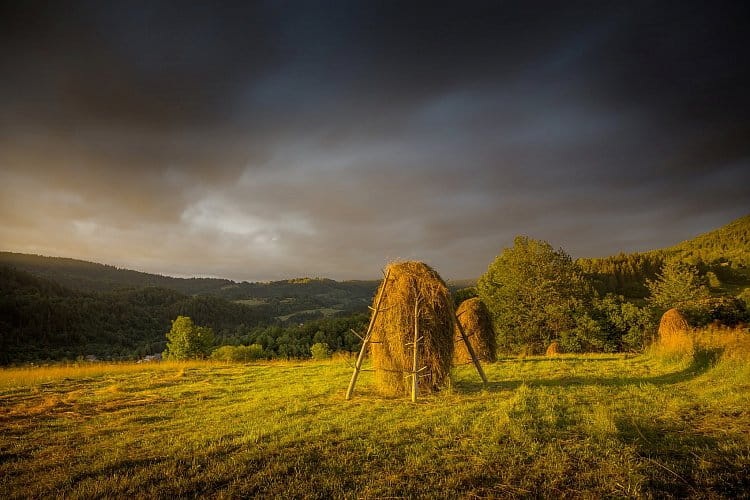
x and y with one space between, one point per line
270 140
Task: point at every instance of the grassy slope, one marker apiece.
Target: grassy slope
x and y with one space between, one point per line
587 426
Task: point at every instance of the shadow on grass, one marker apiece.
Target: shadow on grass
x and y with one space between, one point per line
682 463
702 361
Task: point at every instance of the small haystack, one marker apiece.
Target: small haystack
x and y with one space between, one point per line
393 332
553 349
475 318
674 332
672 323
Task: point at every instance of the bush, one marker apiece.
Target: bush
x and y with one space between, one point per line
629 327
744 296
320 351
586 336
713 281
725 310
251 352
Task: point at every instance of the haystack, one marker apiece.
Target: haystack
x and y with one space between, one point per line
553 349
674 332
672 323
475 318
393 331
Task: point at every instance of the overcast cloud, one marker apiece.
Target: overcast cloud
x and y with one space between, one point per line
281 139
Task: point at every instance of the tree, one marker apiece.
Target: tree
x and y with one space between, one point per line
188 341
678 282
532 292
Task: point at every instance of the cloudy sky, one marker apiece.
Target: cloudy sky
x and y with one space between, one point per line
278 139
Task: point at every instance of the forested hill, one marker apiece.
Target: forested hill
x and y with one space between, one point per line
308 293
730 243
41 319
725 252
93 277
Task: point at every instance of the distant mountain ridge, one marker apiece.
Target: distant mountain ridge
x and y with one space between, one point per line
94 277
725 250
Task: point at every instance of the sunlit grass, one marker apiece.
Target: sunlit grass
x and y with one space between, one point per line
30 375
572 426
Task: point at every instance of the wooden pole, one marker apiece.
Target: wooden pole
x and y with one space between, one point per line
469 348
415 357
361 357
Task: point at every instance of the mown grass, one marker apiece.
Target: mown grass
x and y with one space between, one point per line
572 426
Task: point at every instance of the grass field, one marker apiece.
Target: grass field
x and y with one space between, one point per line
574 426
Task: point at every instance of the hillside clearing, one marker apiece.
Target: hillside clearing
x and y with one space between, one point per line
572 426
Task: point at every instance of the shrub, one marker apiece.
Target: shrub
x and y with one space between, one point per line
320 351
725 310
251 352
713 281
628 326
744 296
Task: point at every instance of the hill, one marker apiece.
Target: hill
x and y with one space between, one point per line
93 277
288 297
41 319
724 252
728 244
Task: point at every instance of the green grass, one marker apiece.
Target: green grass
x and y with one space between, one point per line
575 426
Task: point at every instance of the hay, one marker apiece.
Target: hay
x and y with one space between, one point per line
674 333
394 329
475 318
553 349
672 323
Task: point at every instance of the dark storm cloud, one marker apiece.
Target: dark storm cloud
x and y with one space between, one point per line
277 139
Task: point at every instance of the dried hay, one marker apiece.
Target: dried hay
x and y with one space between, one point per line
394 329
553 349
475 318
674 333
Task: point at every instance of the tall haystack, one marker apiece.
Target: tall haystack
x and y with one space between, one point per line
411 283
674 332
475 318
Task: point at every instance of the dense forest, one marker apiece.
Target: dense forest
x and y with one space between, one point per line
54 308
724 253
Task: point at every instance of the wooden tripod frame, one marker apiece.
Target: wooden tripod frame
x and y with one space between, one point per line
415 371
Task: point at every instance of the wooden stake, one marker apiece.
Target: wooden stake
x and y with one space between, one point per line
361 357
469 348
415 357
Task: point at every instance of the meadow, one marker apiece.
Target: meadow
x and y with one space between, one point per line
583 426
